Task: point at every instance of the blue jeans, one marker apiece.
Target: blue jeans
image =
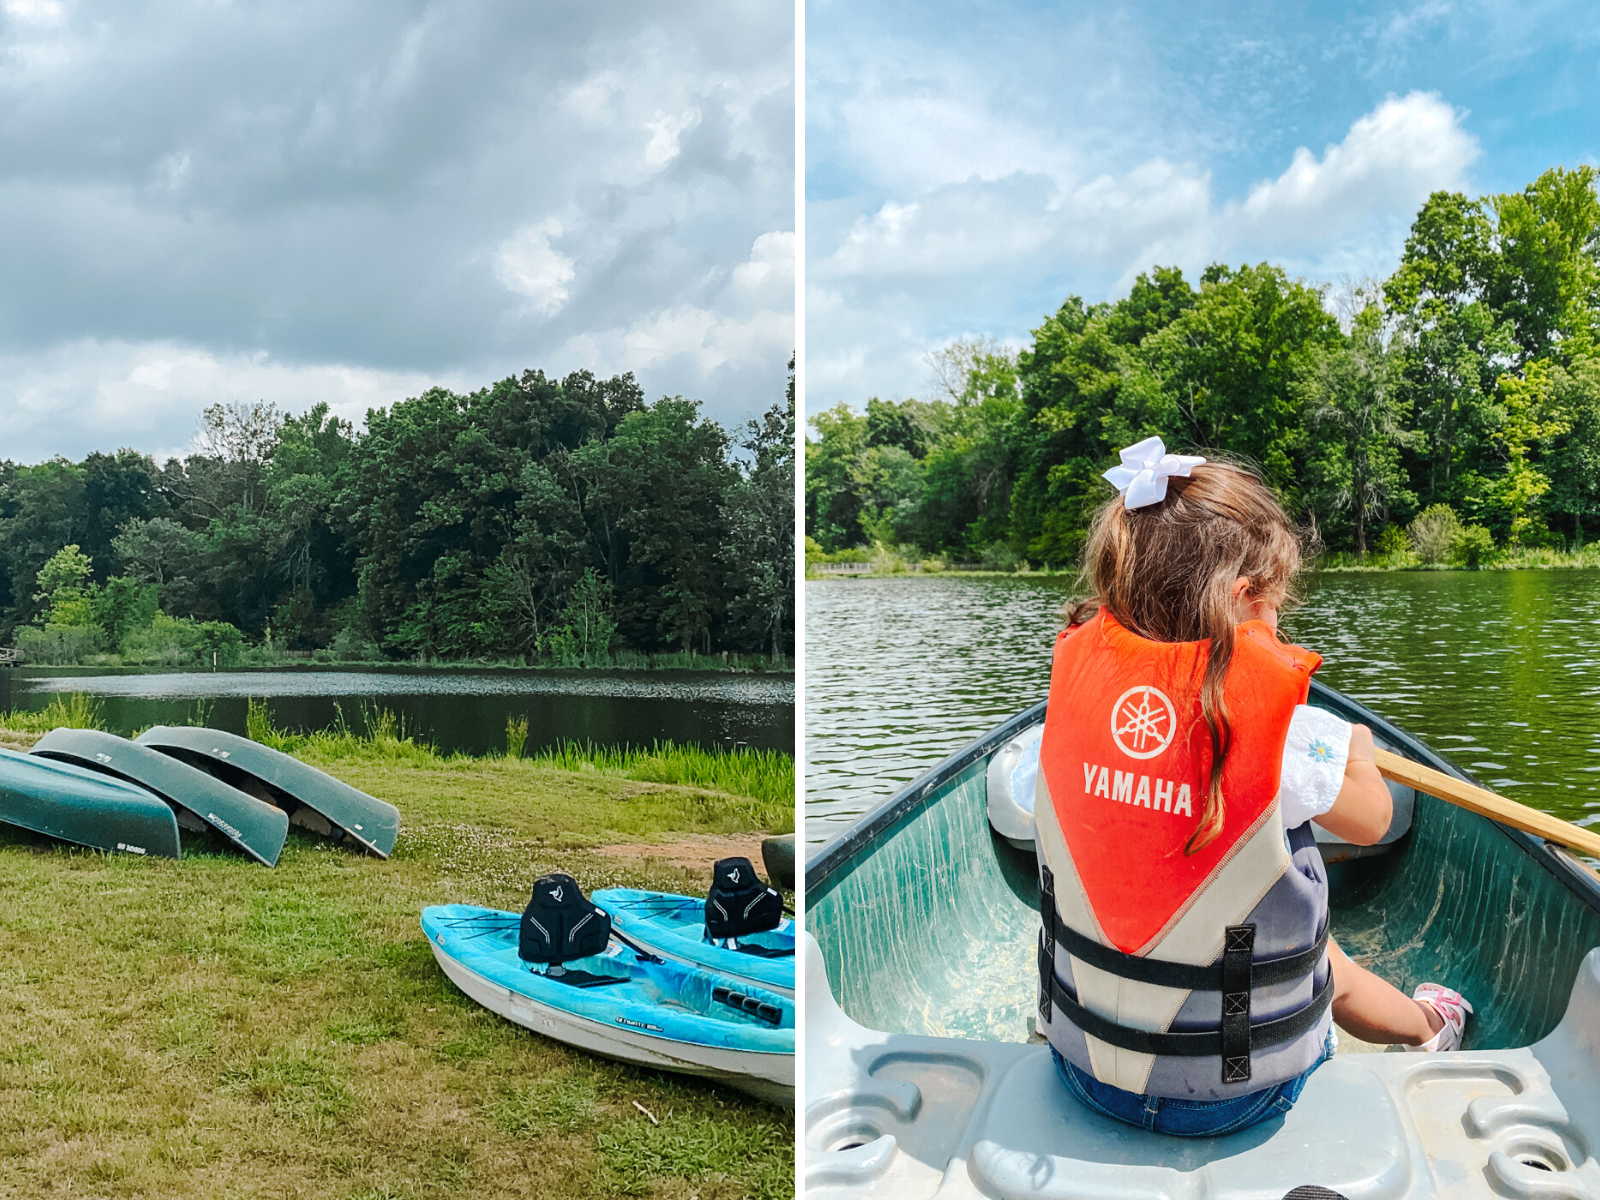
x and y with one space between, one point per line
1188 1118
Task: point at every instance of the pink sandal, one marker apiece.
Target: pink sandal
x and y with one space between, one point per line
1452 1008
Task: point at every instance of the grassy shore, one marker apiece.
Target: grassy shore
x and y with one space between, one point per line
1520 558
208 1027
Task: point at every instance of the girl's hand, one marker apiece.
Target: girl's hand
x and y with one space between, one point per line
1363 809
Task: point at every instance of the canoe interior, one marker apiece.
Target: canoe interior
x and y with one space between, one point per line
928 920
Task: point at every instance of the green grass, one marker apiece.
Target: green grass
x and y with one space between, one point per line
76 711
208 1027
764 776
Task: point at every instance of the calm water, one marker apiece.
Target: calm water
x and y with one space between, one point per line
1498 670
456 710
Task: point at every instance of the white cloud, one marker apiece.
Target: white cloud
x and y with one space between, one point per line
447 193
530 266
770 268
88 395
665 130
1388 163
994 253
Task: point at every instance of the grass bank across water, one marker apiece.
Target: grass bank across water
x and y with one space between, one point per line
208 1027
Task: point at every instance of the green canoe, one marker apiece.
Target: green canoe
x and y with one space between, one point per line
200 800
312 798
923 1073
82 806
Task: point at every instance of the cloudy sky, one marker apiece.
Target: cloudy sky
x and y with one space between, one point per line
354 200
968 165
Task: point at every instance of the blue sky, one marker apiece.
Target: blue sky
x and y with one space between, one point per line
968 165
353 200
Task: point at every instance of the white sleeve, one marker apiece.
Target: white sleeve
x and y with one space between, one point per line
1314 755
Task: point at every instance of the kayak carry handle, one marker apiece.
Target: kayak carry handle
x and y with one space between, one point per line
756 1007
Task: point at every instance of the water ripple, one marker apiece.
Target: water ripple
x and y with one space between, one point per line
900 672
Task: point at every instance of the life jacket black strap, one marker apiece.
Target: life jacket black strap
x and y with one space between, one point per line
1162 973
1200 1044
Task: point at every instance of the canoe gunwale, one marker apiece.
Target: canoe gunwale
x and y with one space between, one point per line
837 856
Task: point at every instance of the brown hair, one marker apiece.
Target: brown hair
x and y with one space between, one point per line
1166 571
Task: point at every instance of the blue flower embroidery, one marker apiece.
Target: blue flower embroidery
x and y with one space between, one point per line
1320 752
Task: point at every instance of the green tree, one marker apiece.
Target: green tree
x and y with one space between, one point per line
1570 451
583 633
759 513
65 586
1355 429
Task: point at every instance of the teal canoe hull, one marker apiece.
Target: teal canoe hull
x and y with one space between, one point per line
257 828
925 1072
654 1013
674 927
73 804
313 799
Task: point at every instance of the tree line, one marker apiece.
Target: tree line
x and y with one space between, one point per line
1465 387
559 521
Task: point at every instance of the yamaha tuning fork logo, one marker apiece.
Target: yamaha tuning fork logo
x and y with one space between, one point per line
1143 722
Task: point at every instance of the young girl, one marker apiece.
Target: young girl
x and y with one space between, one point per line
1187 981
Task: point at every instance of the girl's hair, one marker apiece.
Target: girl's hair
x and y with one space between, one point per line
1166 571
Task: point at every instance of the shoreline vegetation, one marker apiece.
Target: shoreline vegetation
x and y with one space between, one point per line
1450 413
256 658
184 1028
551 522
905 563
762 776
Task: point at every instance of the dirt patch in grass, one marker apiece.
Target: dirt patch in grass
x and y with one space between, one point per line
212 1028
694 853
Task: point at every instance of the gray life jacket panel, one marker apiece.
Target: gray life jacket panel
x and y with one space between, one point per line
1255 1016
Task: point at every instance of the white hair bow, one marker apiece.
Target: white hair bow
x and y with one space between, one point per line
1146 466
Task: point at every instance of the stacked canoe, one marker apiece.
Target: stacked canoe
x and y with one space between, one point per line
134 797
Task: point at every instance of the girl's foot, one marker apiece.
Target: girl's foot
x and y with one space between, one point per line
1452 1008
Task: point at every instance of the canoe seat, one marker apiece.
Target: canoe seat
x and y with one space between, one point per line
906 1115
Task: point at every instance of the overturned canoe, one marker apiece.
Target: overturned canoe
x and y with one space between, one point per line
201 800
623 1004
312 798
777 855
674 927
82 806
922 1073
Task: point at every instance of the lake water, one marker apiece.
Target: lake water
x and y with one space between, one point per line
1497 670
455 710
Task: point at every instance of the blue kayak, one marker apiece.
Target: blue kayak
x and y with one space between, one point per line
674 927
623 1003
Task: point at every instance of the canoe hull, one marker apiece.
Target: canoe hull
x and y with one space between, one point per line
72 804
923 1073
313 798
257 828
777 855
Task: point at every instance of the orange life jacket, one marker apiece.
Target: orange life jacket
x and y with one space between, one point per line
1125 766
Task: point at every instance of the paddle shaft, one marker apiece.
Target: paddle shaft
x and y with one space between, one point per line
1487 804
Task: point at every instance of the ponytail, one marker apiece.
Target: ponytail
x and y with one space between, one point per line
1166 571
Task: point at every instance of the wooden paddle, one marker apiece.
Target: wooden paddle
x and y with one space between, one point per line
1487 804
